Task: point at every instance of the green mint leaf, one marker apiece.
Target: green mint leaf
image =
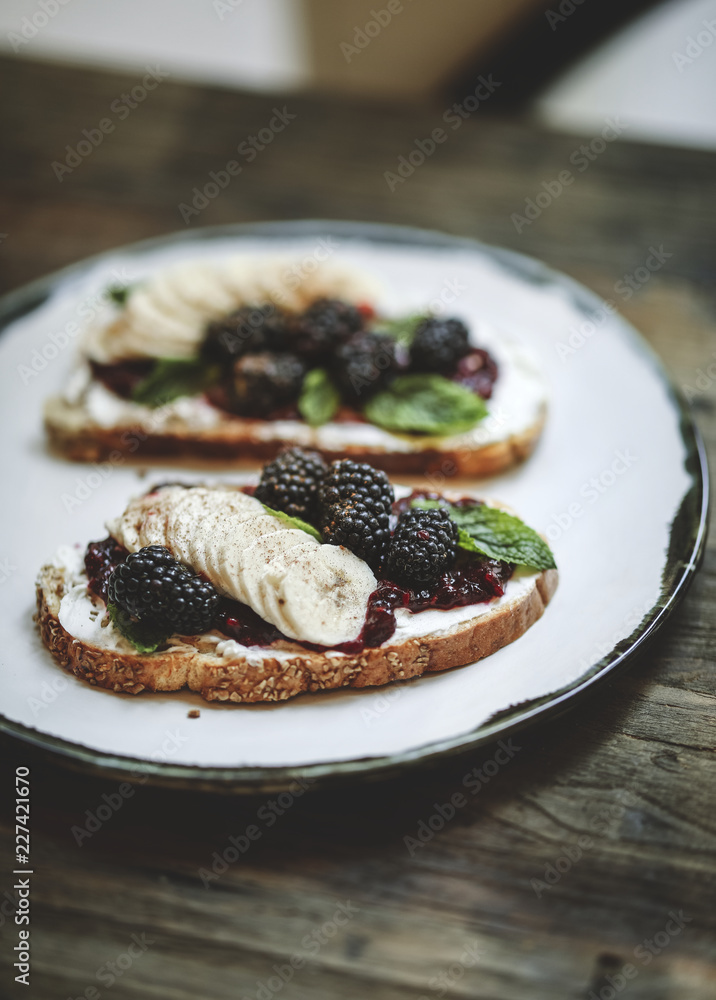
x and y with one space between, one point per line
119 294
174 377
426 404
145 636
401 329
467 542
496 534
293 522
319 399
432 504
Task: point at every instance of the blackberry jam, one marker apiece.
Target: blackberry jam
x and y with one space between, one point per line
474 581
239 622
101 558
123 377
405 503
478 372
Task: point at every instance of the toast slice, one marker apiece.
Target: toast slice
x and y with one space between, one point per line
332 583
137 432
285 669
167 317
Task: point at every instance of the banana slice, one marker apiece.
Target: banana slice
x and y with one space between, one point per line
326 600
166 315
311 592
197 287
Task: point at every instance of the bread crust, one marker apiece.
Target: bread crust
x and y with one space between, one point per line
248 679
73 433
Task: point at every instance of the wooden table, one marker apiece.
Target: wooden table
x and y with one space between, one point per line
332 884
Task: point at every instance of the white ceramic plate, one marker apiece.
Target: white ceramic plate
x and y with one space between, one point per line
617 484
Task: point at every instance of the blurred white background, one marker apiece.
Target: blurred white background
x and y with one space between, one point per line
242 43
659 73
656 73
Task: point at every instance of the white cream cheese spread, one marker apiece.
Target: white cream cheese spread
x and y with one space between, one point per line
82 615
518 401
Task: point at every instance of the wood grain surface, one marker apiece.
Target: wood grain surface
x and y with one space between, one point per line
599 832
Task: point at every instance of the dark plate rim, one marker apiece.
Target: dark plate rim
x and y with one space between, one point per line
687 538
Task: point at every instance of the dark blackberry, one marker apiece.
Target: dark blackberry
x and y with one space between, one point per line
151 584
438 345
355 505
363 365
245 331
290 483
266 381
362 529
423 547
324 326
353 482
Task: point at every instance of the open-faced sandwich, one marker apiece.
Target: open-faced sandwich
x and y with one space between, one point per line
235 359
316 578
